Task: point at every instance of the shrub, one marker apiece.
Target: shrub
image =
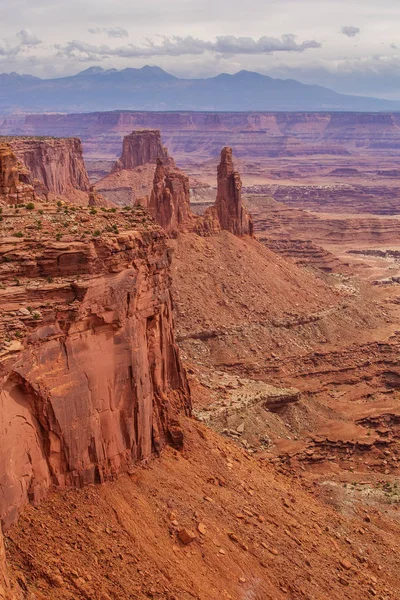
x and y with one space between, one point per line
59 203
97 233
93 211
18 234
58 237
30 206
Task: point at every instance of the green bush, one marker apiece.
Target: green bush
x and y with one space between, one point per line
30 206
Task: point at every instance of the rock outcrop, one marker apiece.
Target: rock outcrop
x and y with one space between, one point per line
15 179
5 593
169 203
231 213
55 165
91 380
140 148
132 176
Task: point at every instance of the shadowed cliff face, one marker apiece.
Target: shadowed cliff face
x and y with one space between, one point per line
93 383
15 180
229 207
54 166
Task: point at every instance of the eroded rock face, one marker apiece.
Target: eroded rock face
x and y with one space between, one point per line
140 148
15 180
55 164
169 203
93 383
5 593
229 207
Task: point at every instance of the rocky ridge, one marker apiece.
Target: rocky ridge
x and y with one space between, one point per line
168 197
87 337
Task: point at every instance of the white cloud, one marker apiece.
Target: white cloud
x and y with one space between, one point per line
112 32
23 41
180 46
350 31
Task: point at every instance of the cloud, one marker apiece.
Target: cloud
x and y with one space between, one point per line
112 32
25 40
350 31
180 46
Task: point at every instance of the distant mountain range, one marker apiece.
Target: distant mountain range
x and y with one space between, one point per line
151 88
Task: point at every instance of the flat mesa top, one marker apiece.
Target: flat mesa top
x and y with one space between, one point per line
32 138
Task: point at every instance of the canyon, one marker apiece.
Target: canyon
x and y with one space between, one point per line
198 331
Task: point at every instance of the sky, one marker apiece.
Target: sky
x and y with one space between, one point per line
352 46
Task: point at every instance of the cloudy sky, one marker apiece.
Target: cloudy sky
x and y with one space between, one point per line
352 46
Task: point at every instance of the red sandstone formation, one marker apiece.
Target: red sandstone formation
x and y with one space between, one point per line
169 203
133 174
15 179
4 584
228 205
55 165
140 148
91 377
96 199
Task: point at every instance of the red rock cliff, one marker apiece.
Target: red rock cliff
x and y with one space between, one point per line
169 203
229 207
56 164
90 376
5 593
140 148
15 179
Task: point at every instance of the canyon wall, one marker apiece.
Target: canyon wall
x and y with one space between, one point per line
15 179
57 163
252 134
91 380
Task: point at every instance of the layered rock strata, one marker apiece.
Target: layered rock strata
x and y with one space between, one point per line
5 593
229 207
54 166
140 148
91 380
169 203
15 179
